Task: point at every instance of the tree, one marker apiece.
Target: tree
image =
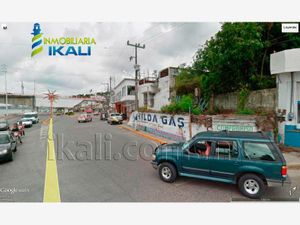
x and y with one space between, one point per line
186 82
237 57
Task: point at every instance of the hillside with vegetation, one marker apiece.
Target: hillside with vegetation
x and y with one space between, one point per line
237 58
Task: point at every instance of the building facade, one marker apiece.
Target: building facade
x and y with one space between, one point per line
285 65
153 93
123 96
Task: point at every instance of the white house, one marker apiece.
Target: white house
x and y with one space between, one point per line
123 96
286 66
154 93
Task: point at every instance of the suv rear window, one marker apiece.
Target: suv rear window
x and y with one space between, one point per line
226 149
259 151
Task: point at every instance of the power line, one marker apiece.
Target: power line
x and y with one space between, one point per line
161 33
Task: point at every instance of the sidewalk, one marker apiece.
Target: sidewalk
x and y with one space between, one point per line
146 135
292 160
292 157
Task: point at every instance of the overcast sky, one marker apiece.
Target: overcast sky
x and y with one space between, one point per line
167 44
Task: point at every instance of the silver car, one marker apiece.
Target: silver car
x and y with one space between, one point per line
114 118
8 146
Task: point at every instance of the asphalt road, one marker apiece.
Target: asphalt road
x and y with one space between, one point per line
98 162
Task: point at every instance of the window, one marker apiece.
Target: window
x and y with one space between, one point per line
201 147
151 100
226 150
4 139
130 90
258 151
145 99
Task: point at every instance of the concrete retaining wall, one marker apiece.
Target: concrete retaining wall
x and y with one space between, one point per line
265 99
28 100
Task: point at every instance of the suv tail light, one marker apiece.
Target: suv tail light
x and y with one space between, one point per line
284 171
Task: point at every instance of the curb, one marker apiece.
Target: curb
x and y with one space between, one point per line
139 133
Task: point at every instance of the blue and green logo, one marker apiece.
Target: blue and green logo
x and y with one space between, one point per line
61 46
36 46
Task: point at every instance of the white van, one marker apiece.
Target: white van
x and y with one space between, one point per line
33 116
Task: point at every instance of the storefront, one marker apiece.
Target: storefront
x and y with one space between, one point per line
285 65
123 96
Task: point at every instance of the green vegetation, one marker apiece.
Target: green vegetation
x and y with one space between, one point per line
183 105
242 100
238 56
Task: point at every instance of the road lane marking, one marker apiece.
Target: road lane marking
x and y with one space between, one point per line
51 187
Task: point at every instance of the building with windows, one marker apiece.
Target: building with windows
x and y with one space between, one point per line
123 96
147 89
155 92
285 65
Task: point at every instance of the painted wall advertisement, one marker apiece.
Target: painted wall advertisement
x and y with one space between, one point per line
234 125
176 127
172 127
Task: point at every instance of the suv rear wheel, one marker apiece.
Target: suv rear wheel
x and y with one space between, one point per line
252 186
167 172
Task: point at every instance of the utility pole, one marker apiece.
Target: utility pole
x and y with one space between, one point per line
136 68
110 78
22 88
108 92
4 70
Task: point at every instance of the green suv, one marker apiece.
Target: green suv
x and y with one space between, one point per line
249 159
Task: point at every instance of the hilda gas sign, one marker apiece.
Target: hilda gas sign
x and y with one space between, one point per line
173 127
175 121
60 46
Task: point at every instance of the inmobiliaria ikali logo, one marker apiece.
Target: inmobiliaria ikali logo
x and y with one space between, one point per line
61 46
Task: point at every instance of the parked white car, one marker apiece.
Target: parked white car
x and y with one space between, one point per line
33 116
115 118
26 122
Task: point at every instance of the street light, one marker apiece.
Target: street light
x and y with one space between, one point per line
4 70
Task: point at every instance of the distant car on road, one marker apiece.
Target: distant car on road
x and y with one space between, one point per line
251 160
8 146
115 118
59 113
84 118
31 115
27 122
70 112
4 125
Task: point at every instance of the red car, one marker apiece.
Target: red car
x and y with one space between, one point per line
84 118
